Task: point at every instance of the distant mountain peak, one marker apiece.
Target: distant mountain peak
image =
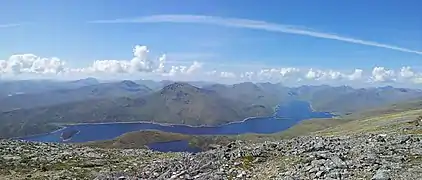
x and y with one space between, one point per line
386 87
88 81
129 83
265 84
217 86
166 82
178 86
247 85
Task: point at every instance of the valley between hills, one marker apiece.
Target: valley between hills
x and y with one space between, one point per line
377 133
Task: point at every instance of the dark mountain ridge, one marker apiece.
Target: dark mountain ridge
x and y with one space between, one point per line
55 97
177 103
38 86
181 103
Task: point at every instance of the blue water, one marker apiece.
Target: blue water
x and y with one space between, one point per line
285 116
174 146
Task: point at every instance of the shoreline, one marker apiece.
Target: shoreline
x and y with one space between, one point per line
70 138
169 124
41 134
63 126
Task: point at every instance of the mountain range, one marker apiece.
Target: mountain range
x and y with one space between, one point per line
83 93
41 109
9 88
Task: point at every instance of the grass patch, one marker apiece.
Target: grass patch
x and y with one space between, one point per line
415 131
284 162
247 162
304 128
388 123
137 139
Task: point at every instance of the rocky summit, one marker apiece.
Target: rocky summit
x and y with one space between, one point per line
370 156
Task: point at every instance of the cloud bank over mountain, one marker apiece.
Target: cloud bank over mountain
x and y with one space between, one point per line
142 65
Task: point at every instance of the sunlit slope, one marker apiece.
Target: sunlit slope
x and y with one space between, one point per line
399 118
398 122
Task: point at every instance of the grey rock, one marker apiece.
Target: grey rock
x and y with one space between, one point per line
319 174
338 163
381 174
341 157
381 137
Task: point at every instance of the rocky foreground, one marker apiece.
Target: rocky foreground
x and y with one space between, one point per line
378 157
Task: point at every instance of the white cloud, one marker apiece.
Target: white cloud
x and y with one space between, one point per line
162 63
287 72
356 75
381 74
228 74
211 73
3 66
184 70
334 75
253 24
278 74
269 73
417 80
247 75
314 74
142 66
175 70
29 63
112 66
139 63
409 75
195 67
323 75
406 72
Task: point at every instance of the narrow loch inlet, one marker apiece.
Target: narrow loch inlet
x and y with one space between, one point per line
285 117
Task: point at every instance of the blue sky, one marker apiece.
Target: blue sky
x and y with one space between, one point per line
64 29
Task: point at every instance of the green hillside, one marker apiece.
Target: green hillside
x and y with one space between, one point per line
177 103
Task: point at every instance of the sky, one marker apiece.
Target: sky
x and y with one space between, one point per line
359 42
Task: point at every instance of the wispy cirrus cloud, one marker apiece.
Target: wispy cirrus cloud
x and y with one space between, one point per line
9 25
253 24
